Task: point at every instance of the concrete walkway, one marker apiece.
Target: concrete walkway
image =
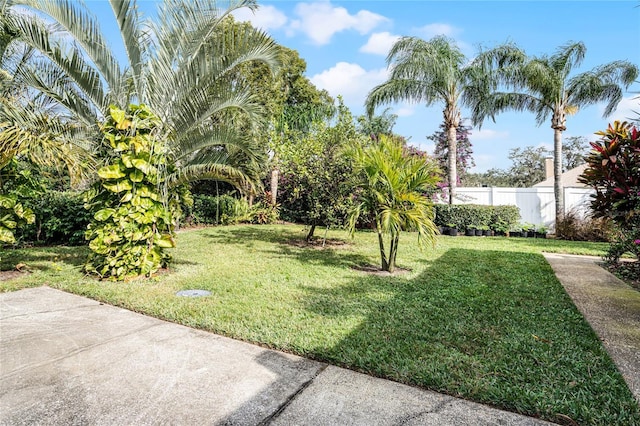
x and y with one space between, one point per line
66 359
609 305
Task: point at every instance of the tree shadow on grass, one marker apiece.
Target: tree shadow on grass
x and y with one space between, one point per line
42 258
290 244
490 326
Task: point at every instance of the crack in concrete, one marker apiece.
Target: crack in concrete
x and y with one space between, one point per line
51 311
404 420
267 420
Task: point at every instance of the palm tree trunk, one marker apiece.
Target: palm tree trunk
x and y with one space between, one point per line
274 185
452 133
558 190
393 251
383 255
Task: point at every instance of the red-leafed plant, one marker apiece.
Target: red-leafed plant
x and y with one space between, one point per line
614 172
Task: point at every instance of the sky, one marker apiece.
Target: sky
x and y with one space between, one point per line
345 44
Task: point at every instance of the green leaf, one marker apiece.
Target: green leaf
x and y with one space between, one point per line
6 236
123 185
143 165
104 214
7 202
166 241
116 114
29 216
136 176
127 197
110 172
7 222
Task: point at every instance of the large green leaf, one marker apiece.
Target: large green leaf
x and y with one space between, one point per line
136 176
166 241
143 165
6 236
120 186
117 114
111 172
7 202
104 214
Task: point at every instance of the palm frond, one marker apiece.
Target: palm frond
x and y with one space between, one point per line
74 17
35 33
128 19
567 57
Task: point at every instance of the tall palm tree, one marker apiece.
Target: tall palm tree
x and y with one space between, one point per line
180 64
430 72
391 194
545 86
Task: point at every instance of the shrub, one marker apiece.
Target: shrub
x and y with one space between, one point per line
614 172
575 227
60 219
463 216
214 210
12 216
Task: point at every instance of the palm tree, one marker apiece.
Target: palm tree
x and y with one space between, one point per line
391 194
180 65
545 86
430 72
30 124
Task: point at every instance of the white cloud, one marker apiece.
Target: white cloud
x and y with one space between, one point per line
349 80
405 110
435 29
625 110
321 20
265 18
488 134
379 43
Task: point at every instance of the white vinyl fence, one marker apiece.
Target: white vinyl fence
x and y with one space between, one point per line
537 205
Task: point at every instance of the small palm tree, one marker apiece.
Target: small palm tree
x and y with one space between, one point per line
430 72
181 65
392 194
545 86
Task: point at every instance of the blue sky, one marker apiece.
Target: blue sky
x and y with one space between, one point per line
345 43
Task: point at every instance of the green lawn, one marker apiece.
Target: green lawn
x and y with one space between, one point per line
481 318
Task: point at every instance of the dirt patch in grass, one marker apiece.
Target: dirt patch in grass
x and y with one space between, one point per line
10 275
375 270
319 243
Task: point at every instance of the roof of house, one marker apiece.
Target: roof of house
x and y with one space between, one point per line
568 178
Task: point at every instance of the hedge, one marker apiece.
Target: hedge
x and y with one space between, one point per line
464 216
61 219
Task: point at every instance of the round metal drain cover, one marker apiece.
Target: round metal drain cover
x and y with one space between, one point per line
193 293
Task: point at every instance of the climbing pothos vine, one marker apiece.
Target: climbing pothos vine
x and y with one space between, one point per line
131 225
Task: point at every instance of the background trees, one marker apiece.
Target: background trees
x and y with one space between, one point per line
528 165
464 151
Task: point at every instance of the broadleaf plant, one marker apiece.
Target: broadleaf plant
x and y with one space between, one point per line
614 172
131 226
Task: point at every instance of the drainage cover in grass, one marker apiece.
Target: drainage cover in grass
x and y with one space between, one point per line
193 293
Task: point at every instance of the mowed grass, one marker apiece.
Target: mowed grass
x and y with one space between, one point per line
480 318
